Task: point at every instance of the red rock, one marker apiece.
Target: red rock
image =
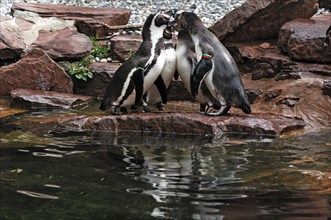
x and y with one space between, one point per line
96 87
11 45
261 19
37 71
176 123
26 98
124 46
89 20
272 62
302 40
304 98
65 44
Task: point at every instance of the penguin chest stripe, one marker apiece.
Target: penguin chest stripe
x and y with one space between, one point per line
124 89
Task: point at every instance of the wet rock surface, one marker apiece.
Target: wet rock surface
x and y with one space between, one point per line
261 19
171 122
288 88
25 98
37 71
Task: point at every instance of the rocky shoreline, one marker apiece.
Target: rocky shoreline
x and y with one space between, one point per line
285 70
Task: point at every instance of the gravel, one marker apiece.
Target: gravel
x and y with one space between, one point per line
209 11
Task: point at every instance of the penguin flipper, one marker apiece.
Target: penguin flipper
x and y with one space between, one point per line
201 69
159 83
138 80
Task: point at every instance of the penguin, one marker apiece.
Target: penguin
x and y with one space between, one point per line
215 68
154 96
186 63
137 74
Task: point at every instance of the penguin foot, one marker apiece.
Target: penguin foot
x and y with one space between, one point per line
114 111
203 109
160 107
123 111
222 111
146 109
134 108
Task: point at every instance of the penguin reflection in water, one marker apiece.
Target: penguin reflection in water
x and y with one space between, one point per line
141 71
207 68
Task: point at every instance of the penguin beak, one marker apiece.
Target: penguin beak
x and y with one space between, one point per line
175 19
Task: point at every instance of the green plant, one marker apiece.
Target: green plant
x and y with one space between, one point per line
80 70
98 50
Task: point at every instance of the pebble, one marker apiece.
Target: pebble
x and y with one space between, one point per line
209 11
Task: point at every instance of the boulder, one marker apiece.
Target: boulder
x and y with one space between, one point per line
26 98
59 38
261 19
302 40
11 44
89 21
124 46
37 71
65 44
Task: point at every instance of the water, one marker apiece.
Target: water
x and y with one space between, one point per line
130 176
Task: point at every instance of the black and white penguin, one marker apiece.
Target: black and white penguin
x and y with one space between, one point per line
136 75
155 96
186 63
215 68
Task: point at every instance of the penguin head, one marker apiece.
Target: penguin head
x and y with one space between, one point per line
159 22
163 17
186 20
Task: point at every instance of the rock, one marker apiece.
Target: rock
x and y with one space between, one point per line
96 87
302 40
7 113
261 19
299 98
65 44
178 92
124 46
272 63
11 45
26 98
37 71
89 21
176 123
272 94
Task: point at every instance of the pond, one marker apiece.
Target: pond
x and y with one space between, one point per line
96 175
